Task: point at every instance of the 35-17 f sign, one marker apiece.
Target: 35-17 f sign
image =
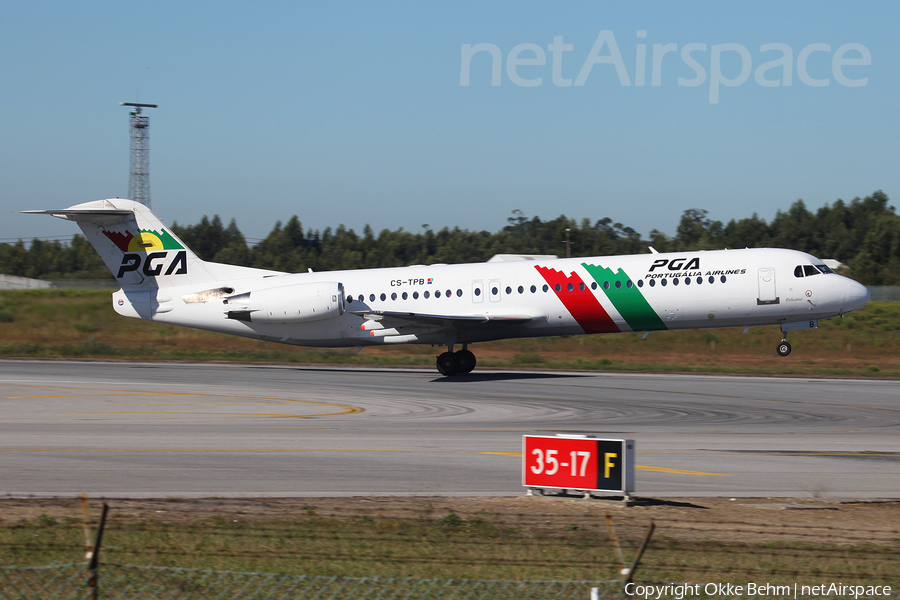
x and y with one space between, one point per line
578 463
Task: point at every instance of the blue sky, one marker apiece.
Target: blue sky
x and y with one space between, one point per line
355 114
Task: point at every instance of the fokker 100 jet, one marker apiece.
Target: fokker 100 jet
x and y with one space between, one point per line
456 305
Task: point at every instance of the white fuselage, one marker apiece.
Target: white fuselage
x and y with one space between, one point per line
427 304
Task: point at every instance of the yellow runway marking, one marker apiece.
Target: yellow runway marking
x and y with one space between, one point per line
732 453
346 410
188 405
735 433
203 414
680 471
116 394
262 451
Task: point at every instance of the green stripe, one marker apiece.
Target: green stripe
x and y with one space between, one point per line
629 301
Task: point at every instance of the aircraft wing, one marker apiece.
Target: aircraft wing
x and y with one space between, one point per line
405 319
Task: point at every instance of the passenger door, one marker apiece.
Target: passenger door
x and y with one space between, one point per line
767 294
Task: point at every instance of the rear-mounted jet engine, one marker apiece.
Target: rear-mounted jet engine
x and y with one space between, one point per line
300 303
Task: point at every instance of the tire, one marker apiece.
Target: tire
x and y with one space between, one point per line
783 349
447 364
466 361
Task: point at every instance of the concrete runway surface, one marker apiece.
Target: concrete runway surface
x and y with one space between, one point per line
164 430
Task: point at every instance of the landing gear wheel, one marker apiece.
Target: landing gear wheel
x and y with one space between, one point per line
466 361
447 364
783 348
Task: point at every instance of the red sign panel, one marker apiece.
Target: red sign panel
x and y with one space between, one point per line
575 463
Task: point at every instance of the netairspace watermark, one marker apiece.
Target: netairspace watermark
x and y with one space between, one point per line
681 591
704 61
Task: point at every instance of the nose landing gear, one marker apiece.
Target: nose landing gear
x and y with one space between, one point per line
783 348
456 363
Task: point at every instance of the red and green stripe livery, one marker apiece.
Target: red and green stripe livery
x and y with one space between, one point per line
627 298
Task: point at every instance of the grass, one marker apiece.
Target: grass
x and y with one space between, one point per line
82 324
447 547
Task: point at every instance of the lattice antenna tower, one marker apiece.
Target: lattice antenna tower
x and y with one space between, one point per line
139 177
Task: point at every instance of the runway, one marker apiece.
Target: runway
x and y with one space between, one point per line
162 430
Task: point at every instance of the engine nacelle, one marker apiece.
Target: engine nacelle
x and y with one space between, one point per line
299 303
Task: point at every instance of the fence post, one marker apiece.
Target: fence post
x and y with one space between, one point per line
86 522
615 540
92 583
637 559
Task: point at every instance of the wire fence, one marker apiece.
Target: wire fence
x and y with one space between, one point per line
303 549
121 582
126 582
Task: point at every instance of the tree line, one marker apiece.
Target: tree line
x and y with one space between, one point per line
863 233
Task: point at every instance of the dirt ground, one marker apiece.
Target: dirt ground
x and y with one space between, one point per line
684 519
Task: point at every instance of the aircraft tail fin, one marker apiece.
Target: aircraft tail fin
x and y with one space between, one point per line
139 250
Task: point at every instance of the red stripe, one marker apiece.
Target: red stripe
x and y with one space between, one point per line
581 303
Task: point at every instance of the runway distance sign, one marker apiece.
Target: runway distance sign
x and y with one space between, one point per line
578 463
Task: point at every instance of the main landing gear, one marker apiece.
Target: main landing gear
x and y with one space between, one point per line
456 363
783 348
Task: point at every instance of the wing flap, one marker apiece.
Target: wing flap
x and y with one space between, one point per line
405 319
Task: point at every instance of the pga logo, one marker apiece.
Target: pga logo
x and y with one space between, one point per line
676 264
152 265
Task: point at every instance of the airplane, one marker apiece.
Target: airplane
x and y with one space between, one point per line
445 305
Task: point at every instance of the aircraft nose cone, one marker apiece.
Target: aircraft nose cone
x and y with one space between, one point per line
856 296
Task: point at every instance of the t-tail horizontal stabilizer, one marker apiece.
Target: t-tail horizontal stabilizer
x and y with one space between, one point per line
139 250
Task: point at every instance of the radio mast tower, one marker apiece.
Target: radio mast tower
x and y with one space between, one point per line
139 178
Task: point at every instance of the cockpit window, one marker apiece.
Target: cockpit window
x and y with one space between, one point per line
810 270
825 269
798 271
